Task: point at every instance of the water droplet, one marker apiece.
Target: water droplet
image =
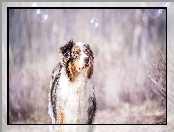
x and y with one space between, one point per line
167 4
155 12
94 22
42 15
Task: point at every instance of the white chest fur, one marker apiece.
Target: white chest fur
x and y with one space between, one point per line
73 98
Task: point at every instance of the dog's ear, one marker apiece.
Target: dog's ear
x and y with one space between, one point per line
65 51
92 54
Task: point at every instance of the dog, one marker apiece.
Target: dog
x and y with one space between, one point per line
71 98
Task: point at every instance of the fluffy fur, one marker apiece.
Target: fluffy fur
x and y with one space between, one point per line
71 94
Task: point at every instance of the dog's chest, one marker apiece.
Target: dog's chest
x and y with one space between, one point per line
73 98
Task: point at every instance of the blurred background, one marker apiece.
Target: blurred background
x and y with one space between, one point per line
129 48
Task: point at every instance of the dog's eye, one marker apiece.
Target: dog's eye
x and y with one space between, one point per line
75 52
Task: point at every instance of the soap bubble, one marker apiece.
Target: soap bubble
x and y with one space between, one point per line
42 15
155 12
94 22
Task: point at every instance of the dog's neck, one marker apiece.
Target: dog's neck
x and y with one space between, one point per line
74 97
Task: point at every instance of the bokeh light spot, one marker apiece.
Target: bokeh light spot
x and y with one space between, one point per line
94 22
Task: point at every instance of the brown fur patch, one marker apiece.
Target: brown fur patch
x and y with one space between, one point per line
73 71
62 117
89 70
77 50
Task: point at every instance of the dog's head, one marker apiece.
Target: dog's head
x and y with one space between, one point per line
77 57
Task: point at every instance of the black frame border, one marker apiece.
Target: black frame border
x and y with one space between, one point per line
8 8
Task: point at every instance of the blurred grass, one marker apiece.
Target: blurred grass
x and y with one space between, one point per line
146 113
129 99
170 85
28 93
